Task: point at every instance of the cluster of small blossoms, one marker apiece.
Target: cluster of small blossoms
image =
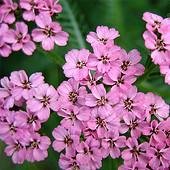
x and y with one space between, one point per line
104 114
29 21
25 104
157 40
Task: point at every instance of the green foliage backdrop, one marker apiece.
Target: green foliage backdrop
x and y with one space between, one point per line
78 18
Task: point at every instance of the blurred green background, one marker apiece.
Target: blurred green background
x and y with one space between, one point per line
78 18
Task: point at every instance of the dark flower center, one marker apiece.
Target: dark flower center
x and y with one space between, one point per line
102 101
125 65
80 64
128 104
73 96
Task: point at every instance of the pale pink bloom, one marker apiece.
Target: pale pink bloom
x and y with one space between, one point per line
6 93
103 58
165 26
28 120
165 69
5 49
71 94
133 125
101 100
52 6
128 63
32 8
45 98
65 139
3 115
130 103
153 21
112 143
135 152
20 39
89 153
37 147
155 105
102 123
156 133
49 33
159 156
159 46
69 162
103 35
16 148
7 9
74 116
118 80
76 64
24 86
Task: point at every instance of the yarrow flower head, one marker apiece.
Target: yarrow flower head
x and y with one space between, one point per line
16 35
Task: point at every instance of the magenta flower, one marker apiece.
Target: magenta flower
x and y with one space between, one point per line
5 49
20 39
112 143
71 94
45 98
37 147
103 58
7 10
103 35
101 100
16 148
65 138
102 123
159 156
74 116
128 63
89 153
135 152
6 93
155 105
32 8
24 85
49 33
76 64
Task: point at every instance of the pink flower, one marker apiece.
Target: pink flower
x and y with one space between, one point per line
101 100
165 69
20 39
7 9
130 103
89 153
76 64
153 21
135 152
103 35
128 63
6 93
112 143
32 8
159 156
45 98
65 138
74 116
102 123
37 147
103 58
5 49
118 80
71 94
49 32
52 6
24 86
16 148
155 105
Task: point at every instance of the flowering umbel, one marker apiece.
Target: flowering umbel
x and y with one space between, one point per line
19 34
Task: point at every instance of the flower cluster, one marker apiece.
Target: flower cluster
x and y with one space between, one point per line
25 104
16 34
104 114
157 40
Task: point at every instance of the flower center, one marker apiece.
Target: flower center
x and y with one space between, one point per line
103 40
125 65
26 84
104 59
34 144
73 96
67 140
128 104
100 122
102 101
45 101
80 64
153 109
32 119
